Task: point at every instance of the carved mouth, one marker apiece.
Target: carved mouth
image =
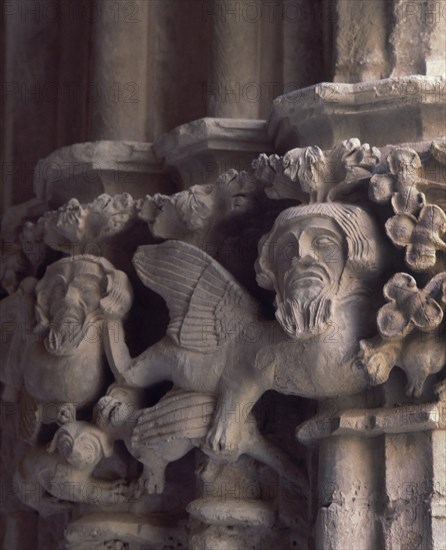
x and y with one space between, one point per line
308 275
305 277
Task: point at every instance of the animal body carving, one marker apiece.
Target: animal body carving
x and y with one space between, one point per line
322 261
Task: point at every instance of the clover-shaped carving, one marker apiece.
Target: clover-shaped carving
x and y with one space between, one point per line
409 307
421 237
401 184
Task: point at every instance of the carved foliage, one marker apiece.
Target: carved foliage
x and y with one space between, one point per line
322 260
320 175
410 308
418 227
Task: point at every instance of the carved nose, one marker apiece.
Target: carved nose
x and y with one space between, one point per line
303 259
306 252
72 295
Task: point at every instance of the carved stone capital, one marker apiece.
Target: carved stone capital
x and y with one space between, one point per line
85 170
393 110
201 151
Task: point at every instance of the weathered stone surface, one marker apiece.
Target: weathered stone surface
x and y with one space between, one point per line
388 111
176 401
85 170
205 149
109 431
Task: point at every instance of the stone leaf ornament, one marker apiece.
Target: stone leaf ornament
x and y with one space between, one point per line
409 307
312 175
417 226
74 226
410 333
271 172
193 213
401 184
421 237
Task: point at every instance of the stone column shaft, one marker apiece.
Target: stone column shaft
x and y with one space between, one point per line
418 39
348 487
119 76
360 41
235 65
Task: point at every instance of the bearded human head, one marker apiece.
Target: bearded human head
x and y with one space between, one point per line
317 254
77 291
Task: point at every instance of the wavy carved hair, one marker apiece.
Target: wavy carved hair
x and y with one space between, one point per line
365 244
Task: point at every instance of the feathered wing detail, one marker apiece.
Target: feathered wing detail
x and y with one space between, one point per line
206 304
17 322
179 415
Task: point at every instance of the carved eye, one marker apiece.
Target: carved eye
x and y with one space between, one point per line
89 287
58 290
324 241
90 293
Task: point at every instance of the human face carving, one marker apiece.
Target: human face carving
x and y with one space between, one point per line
309 256
66 299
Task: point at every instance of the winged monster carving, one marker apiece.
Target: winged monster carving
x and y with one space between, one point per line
323 261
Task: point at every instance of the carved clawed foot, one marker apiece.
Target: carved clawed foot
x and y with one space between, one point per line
151 482
414 388
224 437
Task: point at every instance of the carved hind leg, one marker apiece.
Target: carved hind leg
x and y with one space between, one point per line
255 445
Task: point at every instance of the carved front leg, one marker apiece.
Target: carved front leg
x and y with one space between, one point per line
152 366
234 404
152 479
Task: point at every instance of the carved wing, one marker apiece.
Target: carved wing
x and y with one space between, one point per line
16 322
206 304
179 415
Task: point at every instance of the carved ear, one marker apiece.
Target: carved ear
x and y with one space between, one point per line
264 275
41 309
119 296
